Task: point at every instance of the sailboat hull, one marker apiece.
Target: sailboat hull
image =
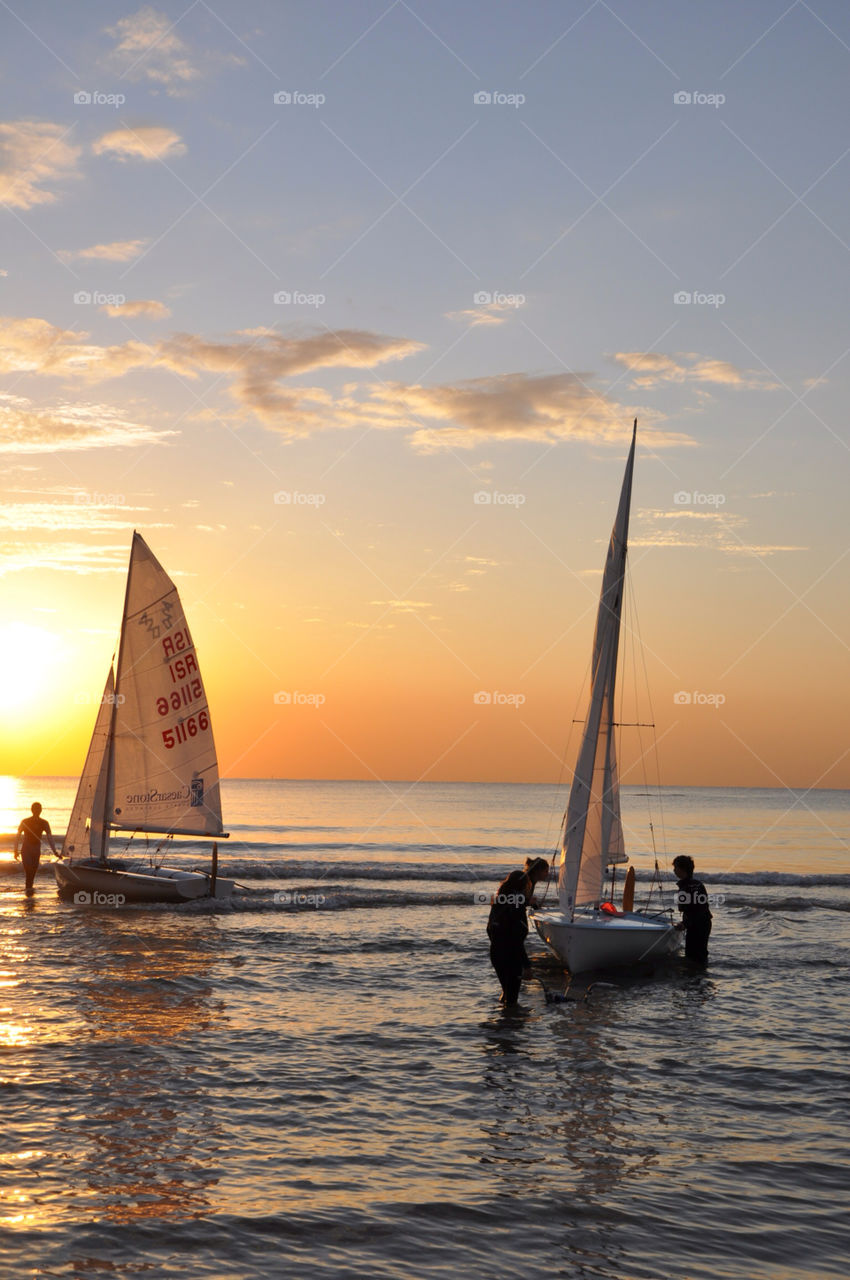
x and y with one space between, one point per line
91 883
601 941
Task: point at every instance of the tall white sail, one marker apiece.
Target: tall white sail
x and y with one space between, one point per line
164 772
593 833
84 837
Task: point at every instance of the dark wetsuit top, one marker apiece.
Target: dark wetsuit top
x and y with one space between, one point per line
692 901
31 830
507 929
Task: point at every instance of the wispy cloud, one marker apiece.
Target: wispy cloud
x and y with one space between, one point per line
34 154
145 142
261 358
723 531
488 314
142 307
63 557
116 251
651 369
510 406
26 428
149 48
64 512
32 345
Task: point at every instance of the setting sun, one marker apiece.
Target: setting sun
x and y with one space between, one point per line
27 656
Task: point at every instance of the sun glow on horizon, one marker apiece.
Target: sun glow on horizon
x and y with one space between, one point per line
28 656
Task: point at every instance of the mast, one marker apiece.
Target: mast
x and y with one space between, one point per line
110 742
593 833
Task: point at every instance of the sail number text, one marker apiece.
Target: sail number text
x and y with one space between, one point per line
185 729
180 697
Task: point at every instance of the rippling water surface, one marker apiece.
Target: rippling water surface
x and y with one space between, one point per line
326 1082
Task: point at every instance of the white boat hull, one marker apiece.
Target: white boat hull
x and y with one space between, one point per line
90 883
597 940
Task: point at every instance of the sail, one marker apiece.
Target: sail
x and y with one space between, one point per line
164 772
84 836
593 833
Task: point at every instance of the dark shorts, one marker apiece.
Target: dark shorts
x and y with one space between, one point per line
696 940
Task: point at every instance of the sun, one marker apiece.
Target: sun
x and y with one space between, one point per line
27 658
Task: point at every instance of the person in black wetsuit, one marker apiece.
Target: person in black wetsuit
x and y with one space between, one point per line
692 901
507 926
28 840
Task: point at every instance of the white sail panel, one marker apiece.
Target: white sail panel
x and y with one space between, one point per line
593 834
164 775
84 836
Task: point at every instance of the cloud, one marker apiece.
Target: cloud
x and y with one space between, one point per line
68 557
26 428
142 307
145 142
654 369
712 530
63 513
116 251
149 48
258 360
510 406
33 345
493 313
33 153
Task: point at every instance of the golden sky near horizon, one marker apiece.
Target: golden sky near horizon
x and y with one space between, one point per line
354 337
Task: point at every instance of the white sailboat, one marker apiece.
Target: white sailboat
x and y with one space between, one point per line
151 766
581 932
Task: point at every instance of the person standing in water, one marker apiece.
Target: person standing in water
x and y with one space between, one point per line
507 927
28 840
692 901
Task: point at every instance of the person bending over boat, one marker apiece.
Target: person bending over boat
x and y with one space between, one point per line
692 901
507 926
30 832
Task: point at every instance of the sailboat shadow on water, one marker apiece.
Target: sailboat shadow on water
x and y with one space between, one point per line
151 766
583 931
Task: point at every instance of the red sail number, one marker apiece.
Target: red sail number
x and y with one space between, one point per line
180 697
185 729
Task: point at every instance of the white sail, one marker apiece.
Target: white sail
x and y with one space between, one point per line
164 772
593 833
84 836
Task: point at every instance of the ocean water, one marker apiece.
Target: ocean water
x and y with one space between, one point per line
318 1079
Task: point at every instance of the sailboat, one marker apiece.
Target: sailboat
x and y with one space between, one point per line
584 931
151 766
